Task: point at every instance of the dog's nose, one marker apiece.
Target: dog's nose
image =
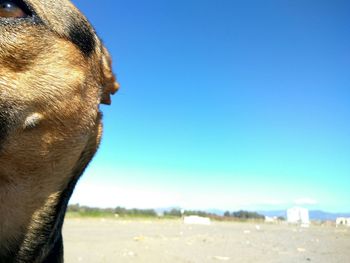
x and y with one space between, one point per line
108 90
116 87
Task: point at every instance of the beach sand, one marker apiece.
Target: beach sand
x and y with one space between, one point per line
171 241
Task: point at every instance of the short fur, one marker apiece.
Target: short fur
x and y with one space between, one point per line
54 73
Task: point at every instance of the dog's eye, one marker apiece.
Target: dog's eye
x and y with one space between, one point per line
13 9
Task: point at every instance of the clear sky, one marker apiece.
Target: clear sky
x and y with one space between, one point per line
229 104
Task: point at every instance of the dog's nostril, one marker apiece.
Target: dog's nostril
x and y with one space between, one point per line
12 9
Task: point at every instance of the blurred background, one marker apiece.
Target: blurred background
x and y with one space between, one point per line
224 105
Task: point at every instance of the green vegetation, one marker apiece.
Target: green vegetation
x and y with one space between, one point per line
177 213
120 211
243 215
84 211
228 216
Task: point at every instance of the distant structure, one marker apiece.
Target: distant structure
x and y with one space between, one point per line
298 215
269 219
196 220
342 221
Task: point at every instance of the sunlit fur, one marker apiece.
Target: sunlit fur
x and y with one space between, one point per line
50 90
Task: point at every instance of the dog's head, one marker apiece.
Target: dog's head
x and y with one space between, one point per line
54 73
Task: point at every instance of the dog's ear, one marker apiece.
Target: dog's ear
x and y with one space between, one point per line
109 83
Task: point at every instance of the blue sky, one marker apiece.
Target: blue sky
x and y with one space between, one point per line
224 104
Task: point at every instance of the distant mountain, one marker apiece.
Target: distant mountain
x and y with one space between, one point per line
321 215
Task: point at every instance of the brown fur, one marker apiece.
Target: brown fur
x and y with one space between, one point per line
50 91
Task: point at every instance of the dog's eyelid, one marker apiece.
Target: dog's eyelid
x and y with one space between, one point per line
24 4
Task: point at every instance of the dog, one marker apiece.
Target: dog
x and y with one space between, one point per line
54 74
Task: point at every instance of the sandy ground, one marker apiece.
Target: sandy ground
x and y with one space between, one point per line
170 241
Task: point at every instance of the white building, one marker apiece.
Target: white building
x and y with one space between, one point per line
269 219
342 221
298 215
196 220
